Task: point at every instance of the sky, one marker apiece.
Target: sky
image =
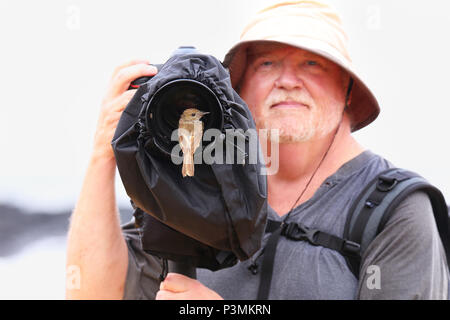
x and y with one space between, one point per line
57 56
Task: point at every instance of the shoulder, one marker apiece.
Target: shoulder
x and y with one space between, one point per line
409 254
414 218
402 199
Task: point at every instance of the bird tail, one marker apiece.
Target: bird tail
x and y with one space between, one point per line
188 165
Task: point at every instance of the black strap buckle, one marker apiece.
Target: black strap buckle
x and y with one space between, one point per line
386 183
298 232
351 248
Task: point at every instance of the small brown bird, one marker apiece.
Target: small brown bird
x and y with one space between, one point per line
190 137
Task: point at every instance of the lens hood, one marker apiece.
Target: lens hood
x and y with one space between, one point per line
164 110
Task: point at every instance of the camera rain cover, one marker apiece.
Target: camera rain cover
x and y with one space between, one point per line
215 217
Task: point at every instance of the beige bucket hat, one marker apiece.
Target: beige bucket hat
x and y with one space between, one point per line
311 26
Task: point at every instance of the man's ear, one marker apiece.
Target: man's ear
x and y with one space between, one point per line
348 90
350 96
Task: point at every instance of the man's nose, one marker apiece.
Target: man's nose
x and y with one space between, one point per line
288 79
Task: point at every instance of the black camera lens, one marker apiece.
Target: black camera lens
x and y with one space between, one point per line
169 102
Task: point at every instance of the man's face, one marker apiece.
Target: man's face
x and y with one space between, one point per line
297 92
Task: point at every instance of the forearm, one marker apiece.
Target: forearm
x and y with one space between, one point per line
96 247
95 242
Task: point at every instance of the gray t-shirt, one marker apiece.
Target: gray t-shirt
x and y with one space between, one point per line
405 261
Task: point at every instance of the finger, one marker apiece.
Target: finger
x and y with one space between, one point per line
186 295
119 103
121 81
169 295
127 64
176 282
162 295
123 100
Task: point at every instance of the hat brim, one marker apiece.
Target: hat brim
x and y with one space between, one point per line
363 108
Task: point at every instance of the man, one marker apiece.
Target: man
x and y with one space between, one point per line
293 70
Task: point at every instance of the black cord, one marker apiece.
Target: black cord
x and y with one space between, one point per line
349 89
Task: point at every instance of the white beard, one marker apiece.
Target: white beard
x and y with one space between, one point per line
299 125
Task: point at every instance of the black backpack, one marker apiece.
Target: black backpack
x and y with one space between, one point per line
367 217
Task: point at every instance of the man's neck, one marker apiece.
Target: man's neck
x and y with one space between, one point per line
299 161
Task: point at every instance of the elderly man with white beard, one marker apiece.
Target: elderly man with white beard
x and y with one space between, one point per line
293 69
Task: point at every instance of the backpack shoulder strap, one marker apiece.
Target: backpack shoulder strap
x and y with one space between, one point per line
376 203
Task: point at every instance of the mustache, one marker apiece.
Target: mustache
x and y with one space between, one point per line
282 96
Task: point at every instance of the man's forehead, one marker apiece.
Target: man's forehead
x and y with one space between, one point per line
260 49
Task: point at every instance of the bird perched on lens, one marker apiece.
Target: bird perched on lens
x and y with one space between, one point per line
190 133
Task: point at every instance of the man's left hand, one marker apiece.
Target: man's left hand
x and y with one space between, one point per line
180 287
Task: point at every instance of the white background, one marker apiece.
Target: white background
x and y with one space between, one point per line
56 58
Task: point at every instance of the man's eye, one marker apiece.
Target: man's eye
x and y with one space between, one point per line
312 63
266 63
